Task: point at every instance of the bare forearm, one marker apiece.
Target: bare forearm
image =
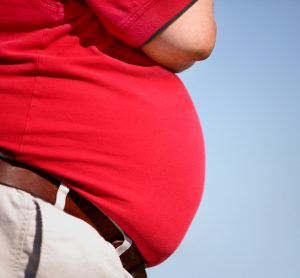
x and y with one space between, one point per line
188 39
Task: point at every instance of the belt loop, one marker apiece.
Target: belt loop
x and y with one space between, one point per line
127 242
61 196
125 245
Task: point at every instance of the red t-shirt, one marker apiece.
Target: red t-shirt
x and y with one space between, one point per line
81 102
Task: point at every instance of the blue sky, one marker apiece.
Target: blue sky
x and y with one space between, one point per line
247 95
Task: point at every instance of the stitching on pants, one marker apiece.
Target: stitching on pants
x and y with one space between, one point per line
34 258
21 239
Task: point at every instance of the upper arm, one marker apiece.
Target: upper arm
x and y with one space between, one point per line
190 38
136 21
182 42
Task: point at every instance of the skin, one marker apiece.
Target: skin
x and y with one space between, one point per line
188 39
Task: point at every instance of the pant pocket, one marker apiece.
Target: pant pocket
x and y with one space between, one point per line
19 249
72 248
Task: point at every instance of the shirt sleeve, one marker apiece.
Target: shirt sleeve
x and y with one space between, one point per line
137 21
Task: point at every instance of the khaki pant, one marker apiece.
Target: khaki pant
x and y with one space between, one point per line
39 240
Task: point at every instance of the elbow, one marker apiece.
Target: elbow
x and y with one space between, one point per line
204 45
199 50
180 54
204 52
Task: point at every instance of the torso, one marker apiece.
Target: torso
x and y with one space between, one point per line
103 118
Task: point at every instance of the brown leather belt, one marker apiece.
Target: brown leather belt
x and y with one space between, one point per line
45 187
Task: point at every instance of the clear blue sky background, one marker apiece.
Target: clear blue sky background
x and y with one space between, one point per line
248 99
